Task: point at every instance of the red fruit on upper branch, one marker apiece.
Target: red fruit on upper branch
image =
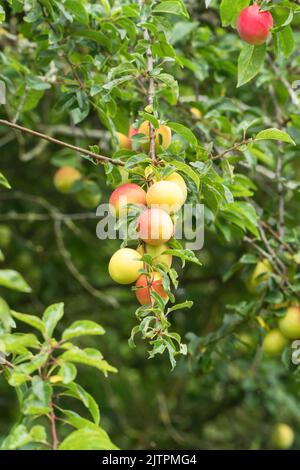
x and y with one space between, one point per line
254 25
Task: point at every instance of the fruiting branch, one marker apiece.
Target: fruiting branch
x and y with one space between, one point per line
151 90
99 158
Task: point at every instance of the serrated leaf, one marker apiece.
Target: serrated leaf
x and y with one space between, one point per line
230 9
184 255
274 134
88 356
186 304
4 182
13 280
174 7
184 132
87 439
250 61
186 169
31 320
81 328
76 391
67 372
51 317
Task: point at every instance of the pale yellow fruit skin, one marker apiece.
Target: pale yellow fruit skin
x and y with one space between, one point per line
165 195
196 113
124 266
155 226
124 141
290 323
156 253
283 436
261 273
274 342
177 178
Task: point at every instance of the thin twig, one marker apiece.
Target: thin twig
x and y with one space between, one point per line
230 149
98 158
277 237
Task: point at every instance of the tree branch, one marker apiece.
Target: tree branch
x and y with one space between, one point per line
99 158
151 89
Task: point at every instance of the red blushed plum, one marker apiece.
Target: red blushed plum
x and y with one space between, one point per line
254 25
124 141
155 226
132 131
125 194
147 284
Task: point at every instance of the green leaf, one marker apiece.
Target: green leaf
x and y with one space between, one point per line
77 421
274 134
81 328
173 7
17 438
182 305
76 391
5 316
88 356
2 14
184 132
19 342
67 372
87 439
185 168
135 160
31 320
51 317
4 182
230 10
286 40
13 280
184 255
250 61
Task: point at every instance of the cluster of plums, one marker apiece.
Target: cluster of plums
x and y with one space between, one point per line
155 224
155 228
254 25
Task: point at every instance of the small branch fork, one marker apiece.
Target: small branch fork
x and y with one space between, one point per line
98 158
151 89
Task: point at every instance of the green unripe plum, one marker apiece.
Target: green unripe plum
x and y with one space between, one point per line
290 323
260 274
5 236
90 196
65 178
274 342
125 265
282 436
